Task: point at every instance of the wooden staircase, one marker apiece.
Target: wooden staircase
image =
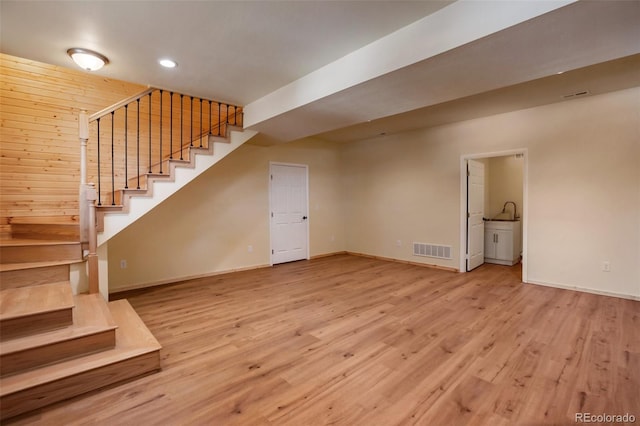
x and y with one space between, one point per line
55 345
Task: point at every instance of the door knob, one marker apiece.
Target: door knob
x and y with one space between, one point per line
304 218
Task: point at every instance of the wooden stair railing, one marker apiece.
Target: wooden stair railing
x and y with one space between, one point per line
138 137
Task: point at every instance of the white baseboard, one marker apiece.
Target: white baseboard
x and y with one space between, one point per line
406 262
176 280
584 289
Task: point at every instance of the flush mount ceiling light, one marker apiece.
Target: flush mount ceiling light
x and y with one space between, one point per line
87 59
168 63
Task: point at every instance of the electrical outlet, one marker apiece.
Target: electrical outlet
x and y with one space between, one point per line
333 238
399 243
123 264
606 266
250 248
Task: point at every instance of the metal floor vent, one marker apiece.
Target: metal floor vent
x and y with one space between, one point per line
432 250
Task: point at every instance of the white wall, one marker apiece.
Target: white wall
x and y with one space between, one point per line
584 189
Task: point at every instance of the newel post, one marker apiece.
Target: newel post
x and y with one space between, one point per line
92 258
83 131
87 206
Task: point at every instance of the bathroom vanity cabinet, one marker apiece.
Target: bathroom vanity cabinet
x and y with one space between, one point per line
502 242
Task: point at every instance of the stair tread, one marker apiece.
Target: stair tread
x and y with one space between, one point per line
49 220
25 301
47 223
132 339
133 190
90 315
16 242
108 206
5 267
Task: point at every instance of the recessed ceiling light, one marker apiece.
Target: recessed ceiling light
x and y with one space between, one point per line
87 59
168 63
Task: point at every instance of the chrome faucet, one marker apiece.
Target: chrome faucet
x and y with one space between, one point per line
515 209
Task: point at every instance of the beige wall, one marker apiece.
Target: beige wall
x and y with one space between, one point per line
207 227
584 189
504 183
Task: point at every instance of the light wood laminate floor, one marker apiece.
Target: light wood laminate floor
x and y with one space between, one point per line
347 340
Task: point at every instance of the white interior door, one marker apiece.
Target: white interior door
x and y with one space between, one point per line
475 214
289 211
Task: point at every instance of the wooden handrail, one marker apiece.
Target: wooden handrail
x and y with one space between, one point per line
133 98
122 103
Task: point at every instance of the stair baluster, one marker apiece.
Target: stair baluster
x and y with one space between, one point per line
191 134
161 131
113 167
99 174
150 132
200 123
126 147
138 145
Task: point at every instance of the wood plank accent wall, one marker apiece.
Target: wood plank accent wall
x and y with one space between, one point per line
39 148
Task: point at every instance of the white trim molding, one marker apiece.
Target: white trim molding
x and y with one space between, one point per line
584 290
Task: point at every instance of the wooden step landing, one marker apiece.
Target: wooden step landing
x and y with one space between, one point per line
33 309
136 353
14 275
93 330
21 250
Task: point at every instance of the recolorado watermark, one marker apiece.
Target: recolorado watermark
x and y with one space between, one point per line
604 418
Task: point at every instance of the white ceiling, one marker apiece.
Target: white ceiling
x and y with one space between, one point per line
233 51
245 51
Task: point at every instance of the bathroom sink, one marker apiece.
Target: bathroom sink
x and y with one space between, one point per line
503 217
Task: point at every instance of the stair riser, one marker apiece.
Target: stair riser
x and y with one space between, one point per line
42 355
34 276
37 397
36 231
40 253
120 196
22 326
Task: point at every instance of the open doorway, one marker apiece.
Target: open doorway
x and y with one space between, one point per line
493 209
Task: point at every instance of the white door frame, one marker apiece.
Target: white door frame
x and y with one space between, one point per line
306 170
525 204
